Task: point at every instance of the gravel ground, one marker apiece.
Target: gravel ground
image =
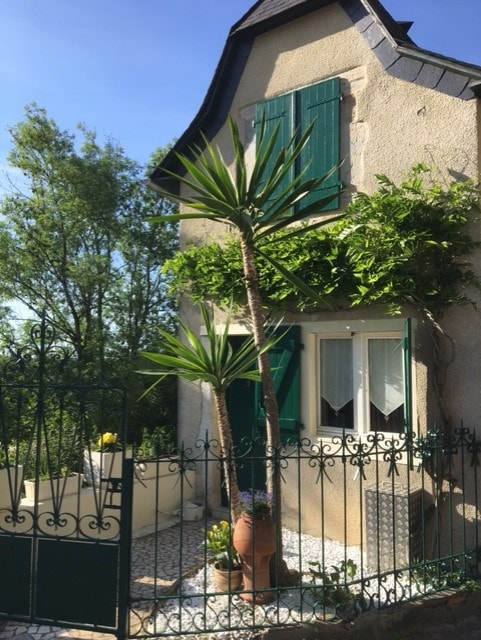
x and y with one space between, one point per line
289 608
195 611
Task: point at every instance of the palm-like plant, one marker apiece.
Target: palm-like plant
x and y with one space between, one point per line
217 364
257 204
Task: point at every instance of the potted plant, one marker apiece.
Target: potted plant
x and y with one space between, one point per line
227 564
256 504
49 486
254 541
103 459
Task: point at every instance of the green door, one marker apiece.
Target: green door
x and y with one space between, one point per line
246 414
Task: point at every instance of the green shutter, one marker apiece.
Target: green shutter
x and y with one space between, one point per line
278 111
408 426
321 103
318 103
241 402
285 361
241 398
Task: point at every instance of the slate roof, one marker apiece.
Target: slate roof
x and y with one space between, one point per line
389 41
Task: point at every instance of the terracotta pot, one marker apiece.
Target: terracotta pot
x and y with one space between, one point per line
227 579
254 541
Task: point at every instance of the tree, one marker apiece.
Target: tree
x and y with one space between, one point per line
74 241
256 206
217 365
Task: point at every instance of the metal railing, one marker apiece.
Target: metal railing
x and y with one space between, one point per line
366 523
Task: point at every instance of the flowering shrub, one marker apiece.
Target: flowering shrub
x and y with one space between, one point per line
108 442
257 504
218 544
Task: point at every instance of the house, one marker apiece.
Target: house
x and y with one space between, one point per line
382 104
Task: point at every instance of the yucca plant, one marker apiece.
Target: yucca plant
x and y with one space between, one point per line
257 205
217 364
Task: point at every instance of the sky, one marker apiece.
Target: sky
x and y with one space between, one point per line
137 70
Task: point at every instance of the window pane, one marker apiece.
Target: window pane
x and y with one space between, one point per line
337 398
393 423
342 419
386 384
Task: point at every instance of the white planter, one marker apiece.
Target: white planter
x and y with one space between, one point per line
103 465
59 487
192 510
6 485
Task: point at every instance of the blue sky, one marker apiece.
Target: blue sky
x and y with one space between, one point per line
137 70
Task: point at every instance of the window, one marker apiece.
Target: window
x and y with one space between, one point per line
319 103
363 384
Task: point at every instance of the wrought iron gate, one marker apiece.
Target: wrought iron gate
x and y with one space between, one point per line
65 492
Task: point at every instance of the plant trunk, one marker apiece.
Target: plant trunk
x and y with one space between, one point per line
251 280
229 464
443 357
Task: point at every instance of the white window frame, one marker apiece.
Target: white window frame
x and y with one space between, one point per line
360 332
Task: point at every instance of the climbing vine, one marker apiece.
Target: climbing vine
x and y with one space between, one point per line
406 244
410 243
214 272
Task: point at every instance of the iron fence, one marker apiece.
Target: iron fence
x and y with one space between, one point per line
366 523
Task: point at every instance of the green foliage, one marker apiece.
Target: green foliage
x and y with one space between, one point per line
74 241
155 443
157 410
56 454
409 243
218 545
215 363
75 244
251 201
430 577
404 244
214 272
470 586
331 587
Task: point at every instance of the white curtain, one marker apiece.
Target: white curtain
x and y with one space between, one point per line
386 378
336 372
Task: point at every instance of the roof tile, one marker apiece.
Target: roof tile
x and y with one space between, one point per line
429 76
373 35
386 54
406 69
452 83
387 39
